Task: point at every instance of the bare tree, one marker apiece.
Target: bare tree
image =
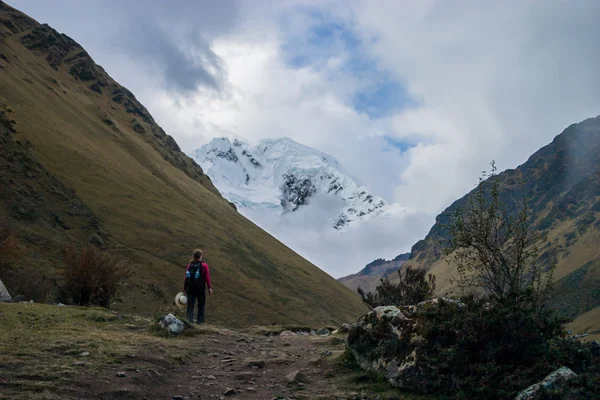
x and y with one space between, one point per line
495 249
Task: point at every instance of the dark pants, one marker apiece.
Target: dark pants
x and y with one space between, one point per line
192 297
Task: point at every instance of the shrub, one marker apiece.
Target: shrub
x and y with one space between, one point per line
414 286
91 276
477 350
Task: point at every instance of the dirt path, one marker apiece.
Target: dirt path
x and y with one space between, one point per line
228 365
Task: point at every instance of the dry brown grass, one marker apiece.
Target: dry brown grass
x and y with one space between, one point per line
40 343
91 276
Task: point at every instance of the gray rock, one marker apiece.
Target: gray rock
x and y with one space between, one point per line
171 324
380 342
121 374
558 377
229 392
178 397
61 305
322 332
4 295
287 333
296 377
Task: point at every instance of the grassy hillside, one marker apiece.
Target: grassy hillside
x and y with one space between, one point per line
587 323
82 160
561 183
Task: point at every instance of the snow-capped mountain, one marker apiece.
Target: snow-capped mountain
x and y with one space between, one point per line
282 175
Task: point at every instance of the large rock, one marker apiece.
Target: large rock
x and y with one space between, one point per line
4 295
386 341
171 324
382 342
552 381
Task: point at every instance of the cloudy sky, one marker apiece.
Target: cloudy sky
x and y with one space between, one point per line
413 97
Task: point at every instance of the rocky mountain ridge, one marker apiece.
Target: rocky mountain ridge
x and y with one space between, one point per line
370 276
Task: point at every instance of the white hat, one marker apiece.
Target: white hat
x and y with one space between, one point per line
181 300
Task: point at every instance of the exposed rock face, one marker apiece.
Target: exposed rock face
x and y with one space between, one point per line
555 379
4 295
296 192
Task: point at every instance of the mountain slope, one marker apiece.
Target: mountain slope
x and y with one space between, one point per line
83 160
370 276
280 176
561 183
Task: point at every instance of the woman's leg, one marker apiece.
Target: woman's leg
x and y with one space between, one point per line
201 305
190 306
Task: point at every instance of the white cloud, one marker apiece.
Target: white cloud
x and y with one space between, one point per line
494 81
490 80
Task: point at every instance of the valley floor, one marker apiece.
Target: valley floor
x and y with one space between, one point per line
53 352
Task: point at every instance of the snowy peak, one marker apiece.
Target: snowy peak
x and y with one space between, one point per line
283 176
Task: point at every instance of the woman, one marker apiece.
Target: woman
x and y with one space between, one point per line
197 278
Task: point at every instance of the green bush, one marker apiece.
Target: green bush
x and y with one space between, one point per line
414 286
475 350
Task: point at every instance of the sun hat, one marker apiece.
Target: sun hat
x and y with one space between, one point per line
181 300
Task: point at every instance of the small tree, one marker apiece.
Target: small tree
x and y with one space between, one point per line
414 286
91 276
495 249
